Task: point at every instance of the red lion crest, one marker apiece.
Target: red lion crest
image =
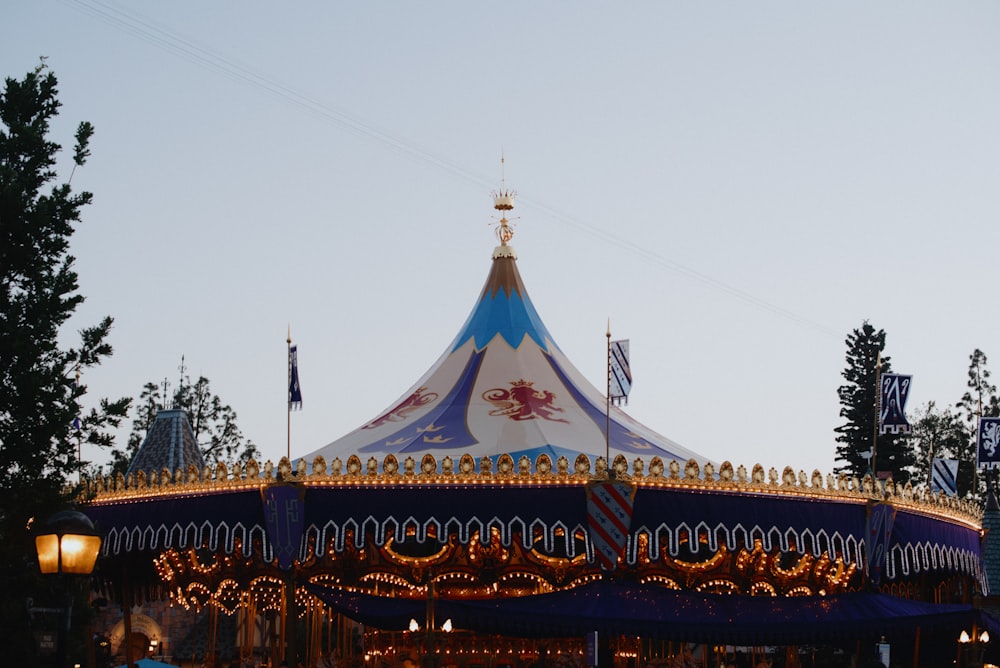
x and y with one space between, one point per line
405 407
522 402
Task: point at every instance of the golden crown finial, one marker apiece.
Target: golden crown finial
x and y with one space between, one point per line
503 201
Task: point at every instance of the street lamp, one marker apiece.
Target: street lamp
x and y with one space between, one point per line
973 645
67 545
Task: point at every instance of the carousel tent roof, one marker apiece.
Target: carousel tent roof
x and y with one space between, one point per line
503 386
169 444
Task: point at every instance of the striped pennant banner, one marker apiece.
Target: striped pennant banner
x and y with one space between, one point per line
944 476
609 518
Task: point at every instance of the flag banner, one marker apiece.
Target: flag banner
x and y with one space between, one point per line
619 371
892 404
881 517
944 476
609 518
294 391
988 448
284 520
76 384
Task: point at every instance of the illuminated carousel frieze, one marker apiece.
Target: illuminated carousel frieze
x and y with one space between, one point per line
486 535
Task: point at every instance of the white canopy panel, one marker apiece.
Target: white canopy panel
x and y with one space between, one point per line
503 387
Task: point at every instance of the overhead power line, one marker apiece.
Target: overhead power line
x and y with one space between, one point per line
147 31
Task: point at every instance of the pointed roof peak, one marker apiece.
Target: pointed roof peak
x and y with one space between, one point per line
169 444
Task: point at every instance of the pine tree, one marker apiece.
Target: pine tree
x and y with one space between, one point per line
39 396
858 405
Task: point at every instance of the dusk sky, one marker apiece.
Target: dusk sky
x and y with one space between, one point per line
736 185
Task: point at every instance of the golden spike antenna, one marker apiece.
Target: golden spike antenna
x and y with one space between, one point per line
503 201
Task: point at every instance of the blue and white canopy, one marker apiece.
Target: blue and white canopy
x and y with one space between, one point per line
503 387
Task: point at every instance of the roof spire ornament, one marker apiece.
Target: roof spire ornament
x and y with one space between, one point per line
503 201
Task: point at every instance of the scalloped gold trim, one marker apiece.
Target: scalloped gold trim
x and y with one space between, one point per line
676 475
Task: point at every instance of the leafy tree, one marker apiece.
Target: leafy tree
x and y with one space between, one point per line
980 399
213 423
39 398
857 406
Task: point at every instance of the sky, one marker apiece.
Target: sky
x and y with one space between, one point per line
735 185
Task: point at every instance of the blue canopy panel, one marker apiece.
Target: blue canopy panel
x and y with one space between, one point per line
621 608
503 387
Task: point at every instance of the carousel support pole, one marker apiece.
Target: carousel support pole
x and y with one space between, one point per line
127 615
316 637
252 630
213 627
916 649
272 639
429 624
310 637
291 614
241 629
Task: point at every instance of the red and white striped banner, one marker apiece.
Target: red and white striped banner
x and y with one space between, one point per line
609 517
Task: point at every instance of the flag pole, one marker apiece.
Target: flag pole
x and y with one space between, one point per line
979 419
288 407
79 436
878 413
607 409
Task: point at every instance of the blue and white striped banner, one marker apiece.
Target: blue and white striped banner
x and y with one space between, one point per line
620 371
944 476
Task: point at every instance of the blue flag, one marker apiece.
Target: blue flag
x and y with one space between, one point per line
988 443
892 404
881 517
284 520
76 383
294 391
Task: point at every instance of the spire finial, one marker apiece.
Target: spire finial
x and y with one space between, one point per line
503 201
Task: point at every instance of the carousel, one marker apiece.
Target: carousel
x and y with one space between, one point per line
504 512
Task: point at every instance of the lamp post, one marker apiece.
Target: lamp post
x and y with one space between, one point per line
67 545
972 646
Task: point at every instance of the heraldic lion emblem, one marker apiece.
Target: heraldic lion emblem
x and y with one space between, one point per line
523 402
